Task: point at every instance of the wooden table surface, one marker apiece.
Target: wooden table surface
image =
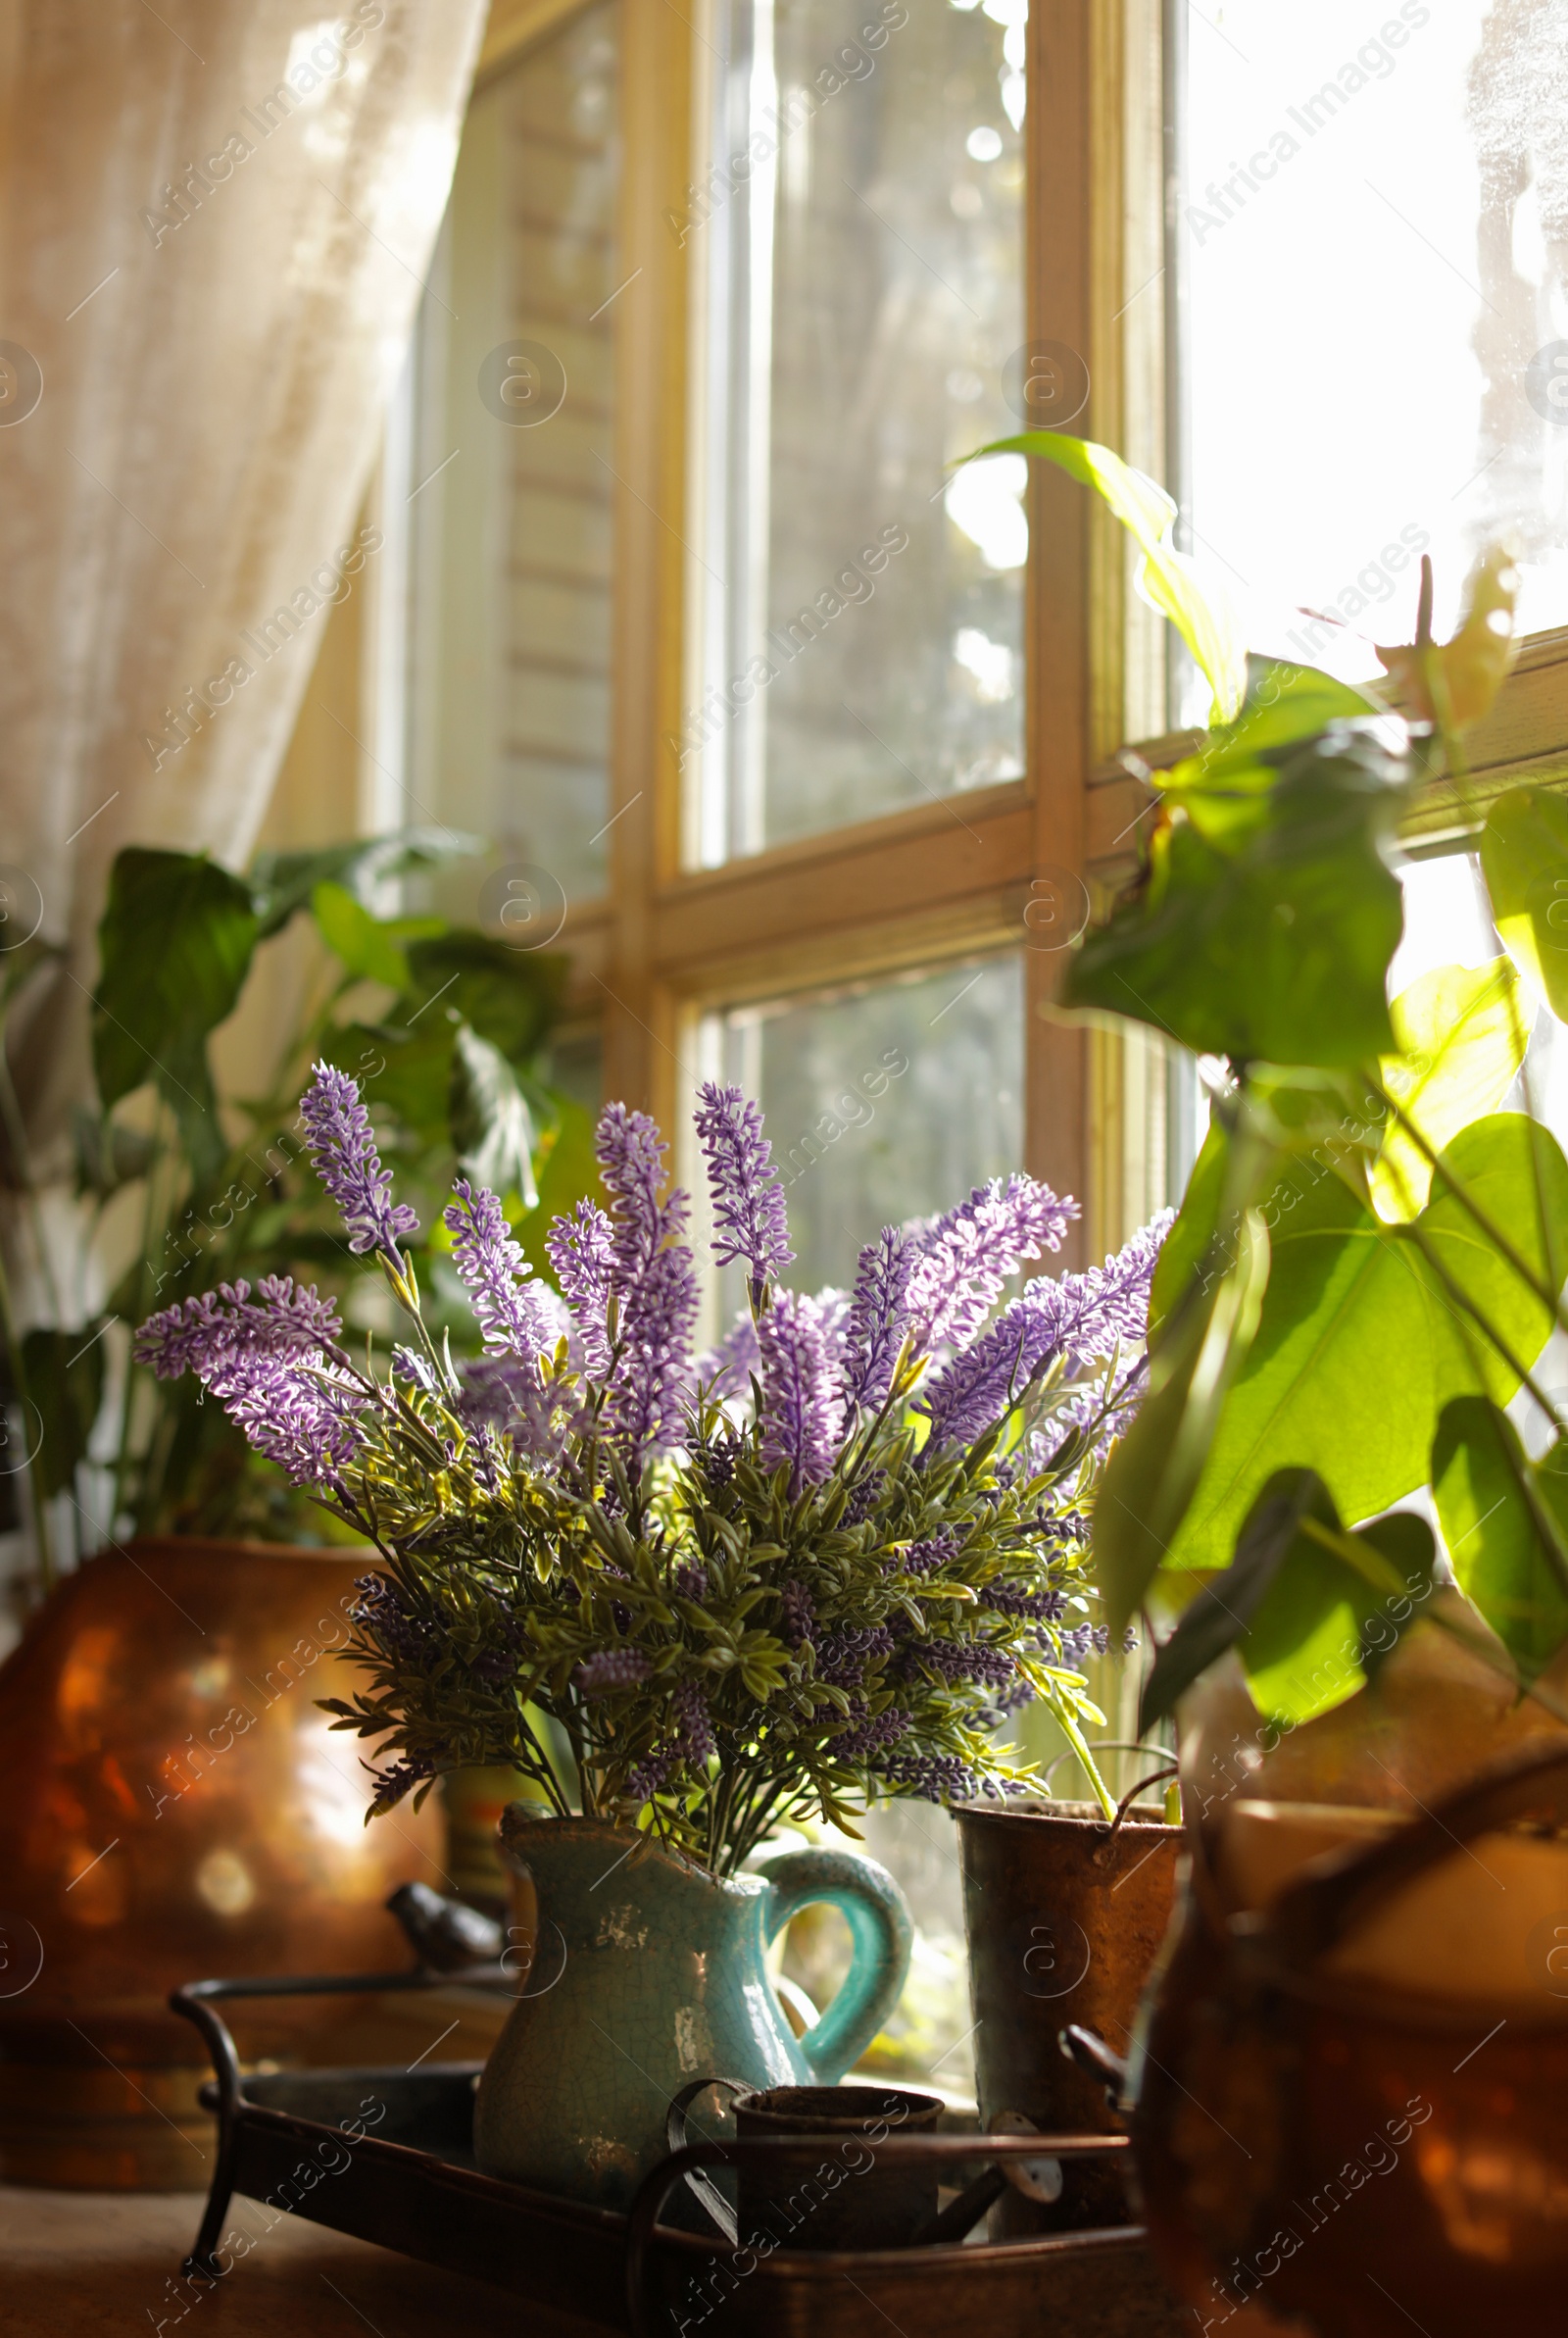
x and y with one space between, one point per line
96 2264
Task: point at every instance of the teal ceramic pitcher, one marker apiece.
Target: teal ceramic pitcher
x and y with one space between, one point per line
645 1972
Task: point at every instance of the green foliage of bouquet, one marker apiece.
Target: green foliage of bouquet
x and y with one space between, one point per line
816 1567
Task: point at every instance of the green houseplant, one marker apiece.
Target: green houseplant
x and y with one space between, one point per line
1349 1327
445 1027
1362 1213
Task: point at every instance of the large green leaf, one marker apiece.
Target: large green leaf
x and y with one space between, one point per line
1199 606
1155 1468
510 997
1461 1035
1284 705
175 944
1273 940
491 1126
1360 1347
1309 1610
1523 852
1506 1521
64 1372
407 1073
569 1174
1324 1621
283 882
360 942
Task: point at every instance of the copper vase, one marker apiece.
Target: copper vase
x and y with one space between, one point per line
174 1805
1325 2154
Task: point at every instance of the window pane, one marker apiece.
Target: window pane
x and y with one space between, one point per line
883 1102
510 535
1374 240
858 642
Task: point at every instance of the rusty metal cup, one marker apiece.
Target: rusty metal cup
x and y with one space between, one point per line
832 2194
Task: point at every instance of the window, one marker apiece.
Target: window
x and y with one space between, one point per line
512 487
1370 257
856 643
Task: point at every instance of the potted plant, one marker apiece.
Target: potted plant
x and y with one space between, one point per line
158 1709
689 1607
1350 1316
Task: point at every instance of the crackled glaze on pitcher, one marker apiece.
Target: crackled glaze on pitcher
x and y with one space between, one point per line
648 1972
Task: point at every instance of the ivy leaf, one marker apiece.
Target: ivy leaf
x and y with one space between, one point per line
1524 854
1461 1038
1199 605
1270 937
1358 1346
1506 1521
1284 705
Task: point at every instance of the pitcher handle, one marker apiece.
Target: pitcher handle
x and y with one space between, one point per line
880 1930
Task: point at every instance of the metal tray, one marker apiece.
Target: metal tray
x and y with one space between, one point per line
387 2155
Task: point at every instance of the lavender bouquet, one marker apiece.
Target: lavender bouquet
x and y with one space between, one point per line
812 1569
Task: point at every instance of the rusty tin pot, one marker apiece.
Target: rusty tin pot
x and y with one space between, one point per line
1064 1916
174 1805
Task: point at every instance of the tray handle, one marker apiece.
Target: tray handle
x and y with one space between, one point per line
661 2180
197 2002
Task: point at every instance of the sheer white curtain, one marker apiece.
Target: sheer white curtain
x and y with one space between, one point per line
215 218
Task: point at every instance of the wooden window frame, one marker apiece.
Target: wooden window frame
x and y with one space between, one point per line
956 877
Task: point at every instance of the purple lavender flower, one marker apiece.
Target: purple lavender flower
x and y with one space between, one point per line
800 1614
502 1393
748 1210
879 1317
863 1735
688 1748
343 1152
611 1668
652 1283
844 1656
400 1778
965 1256
381 1609
300 1414
1034 1607
865 1495
689 1579
933 1777
958 1661
198 1335
924 1558
693 1723
973 1392
498 1276
726 1370
800 1395
581 1250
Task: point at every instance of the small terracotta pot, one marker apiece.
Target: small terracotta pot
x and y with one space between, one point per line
176 1807
1064 1916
